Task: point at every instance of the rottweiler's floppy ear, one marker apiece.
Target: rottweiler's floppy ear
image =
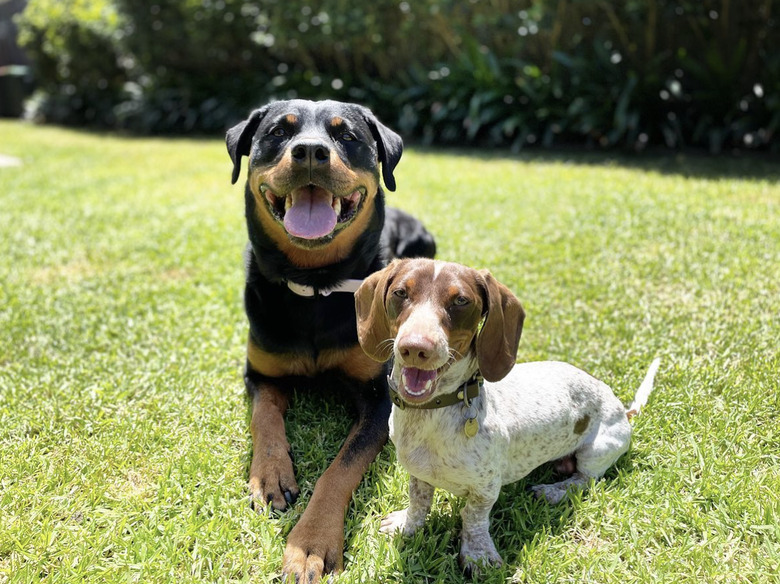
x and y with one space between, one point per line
239 139
497 341
389 146
373 324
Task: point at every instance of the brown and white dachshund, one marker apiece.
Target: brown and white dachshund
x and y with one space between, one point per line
466 418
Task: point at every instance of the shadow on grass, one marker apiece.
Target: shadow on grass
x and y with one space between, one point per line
686 164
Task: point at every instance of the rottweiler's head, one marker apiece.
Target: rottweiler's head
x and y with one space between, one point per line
314 169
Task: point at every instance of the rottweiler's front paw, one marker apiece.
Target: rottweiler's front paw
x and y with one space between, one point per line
314 548
272 481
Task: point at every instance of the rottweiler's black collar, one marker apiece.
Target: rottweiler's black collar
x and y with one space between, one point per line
350 286
465 393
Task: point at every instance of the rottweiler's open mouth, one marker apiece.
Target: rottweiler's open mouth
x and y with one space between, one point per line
312 212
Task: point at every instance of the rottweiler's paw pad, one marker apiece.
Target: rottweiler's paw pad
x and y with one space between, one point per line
315 547
278 490
307 567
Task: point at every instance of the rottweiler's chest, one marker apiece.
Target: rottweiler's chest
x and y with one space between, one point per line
292 335
283 322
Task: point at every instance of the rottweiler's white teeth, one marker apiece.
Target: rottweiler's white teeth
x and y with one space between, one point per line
337 205
428 384
287 202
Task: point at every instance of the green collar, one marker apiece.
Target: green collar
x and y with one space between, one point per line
465 393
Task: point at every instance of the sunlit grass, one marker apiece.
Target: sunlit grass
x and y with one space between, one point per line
124 442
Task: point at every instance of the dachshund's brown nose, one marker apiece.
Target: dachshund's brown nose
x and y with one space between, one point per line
416 349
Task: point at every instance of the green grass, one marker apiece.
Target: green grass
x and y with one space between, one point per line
124 444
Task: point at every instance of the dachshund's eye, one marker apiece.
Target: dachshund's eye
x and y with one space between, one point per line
279 132
400 293
460 301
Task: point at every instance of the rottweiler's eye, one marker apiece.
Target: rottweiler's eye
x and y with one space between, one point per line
347 136
278 132
460 301
400 293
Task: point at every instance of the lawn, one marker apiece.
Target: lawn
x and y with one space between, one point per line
124 442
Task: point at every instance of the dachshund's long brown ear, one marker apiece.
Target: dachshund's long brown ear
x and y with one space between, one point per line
373 324
239 139
497 341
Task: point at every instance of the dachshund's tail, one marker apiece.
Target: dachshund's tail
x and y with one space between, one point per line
640 399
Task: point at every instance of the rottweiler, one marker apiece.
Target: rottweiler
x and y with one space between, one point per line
315 216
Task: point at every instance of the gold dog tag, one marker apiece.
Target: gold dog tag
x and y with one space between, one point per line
471 428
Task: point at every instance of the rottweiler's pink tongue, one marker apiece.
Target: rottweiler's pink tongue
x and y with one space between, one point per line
311 214
418 382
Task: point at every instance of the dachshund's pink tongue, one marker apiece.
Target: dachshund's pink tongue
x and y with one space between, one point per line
311 215
418 383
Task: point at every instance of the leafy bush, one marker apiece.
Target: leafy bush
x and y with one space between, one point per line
496 72
192 64
73 45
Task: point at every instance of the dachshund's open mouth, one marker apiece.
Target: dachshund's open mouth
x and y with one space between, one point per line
417 385
312 212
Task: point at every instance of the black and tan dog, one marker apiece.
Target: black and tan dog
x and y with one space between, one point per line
315 215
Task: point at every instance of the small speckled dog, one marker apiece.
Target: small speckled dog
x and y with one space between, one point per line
470 436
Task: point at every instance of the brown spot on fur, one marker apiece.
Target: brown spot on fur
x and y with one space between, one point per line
336 121
581 425
357 365
352 361
460 340
278 364
291 119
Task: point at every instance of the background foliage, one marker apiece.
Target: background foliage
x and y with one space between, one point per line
487 72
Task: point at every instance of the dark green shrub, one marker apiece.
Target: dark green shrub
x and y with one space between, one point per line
73 45
495 72
193 63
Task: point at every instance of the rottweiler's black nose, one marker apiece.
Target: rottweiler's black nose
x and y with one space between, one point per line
310 153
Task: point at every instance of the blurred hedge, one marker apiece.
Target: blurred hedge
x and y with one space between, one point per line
486 72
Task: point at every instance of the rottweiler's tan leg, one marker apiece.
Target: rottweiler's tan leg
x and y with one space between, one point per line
271 477
315 546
